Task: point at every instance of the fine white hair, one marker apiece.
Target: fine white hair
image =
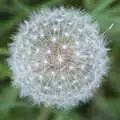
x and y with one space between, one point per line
58 57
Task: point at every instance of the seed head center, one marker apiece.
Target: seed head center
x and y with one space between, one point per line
59 57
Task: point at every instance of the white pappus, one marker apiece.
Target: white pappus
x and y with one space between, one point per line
58 57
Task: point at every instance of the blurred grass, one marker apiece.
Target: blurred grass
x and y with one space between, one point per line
105 105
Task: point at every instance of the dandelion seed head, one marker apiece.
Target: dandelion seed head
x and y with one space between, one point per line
58 57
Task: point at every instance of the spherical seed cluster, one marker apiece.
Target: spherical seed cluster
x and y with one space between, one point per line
58 57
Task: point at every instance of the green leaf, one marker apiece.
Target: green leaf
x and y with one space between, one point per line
21 6
89 4
7 97
44 114
8 9
102 5
3 51
4 70
113 11
10 24
47 4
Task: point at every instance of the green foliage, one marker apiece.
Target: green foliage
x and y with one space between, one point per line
101 6
104 106
6 100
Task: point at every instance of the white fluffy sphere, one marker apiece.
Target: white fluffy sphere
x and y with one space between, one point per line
58 57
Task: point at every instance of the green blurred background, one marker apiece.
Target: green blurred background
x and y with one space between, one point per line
106 103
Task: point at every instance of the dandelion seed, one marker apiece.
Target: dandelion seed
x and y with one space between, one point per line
53 39
48 52
64 46
62 77
45 61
